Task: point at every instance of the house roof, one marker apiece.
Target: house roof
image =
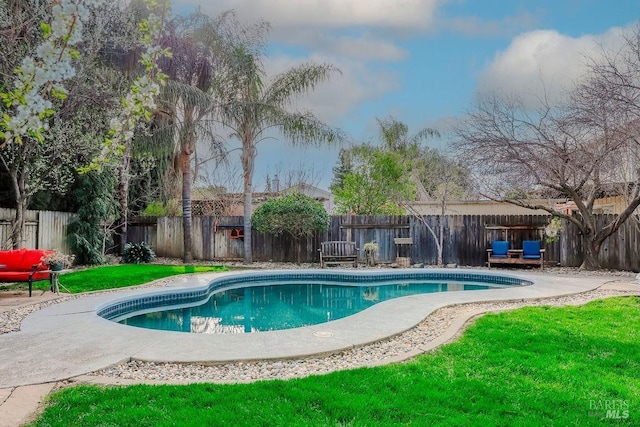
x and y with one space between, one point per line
220 193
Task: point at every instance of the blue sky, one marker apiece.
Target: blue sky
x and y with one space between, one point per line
420 61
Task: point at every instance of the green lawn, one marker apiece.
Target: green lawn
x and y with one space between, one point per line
528 367
117 276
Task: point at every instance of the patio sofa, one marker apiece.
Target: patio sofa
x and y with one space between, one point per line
24 265
530 254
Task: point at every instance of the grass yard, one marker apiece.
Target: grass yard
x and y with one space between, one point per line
117 276
528 367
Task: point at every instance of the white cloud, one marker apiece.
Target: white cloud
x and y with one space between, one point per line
398 14
544 61
476 26
352 28
357 36
332 100
364 47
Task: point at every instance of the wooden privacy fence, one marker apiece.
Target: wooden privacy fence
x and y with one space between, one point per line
466 237
43 229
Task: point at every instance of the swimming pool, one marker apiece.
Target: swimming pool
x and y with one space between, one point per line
266 301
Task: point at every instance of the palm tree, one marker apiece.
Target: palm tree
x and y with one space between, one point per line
195 45
395 135
252 110
396 138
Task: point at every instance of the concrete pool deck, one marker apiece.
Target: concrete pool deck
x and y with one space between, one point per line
47 350
68 339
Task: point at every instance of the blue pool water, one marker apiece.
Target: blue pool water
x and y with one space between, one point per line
267 302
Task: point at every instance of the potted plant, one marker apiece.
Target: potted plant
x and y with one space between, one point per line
553 229
370 250
58 261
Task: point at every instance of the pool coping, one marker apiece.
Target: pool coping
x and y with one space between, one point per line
68 339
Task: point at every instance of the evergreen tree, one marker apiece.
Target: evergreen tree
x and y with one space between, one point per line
341 170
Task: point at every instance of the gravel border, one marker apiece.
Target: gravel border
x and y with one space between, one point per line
394 349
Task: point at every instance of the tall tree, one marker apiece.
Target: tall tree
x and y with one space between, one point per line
341 169
376 186
77 123
378 180
395 136
20 35
570 151
196 46
139 103
253 109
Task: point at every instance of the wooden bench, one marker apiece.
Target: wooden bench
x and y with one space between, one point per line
517 260
338 252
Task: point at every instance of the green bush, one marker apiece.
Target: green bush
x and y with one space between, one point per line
170 208
86 233
294 214
154 209
137 253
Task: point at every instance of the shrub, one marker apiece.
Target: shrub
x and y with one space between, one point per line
136 253
294 214
154 209
87 235
169 208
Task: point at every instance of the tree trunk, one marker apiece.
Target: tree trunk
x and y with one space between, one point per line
186 142
17 227
123 196
248 256
13 160
440 244
248 156
443 211
22 201
187 255
591 251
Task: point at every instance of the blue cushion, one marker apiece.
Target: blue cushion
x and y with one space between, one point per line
499 248
531 249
